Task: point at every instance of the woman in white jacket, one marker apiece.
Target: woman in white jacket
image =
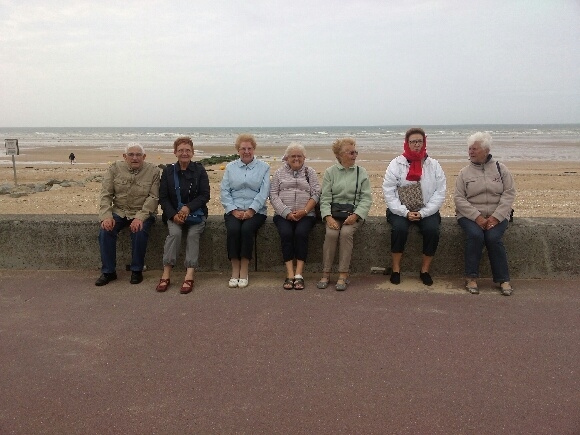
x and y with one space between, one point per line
414 188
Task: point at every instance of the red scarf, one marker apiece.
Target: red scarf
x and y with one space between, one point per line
416 159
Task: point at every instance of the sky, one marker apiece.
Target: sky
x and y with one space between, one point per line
265 63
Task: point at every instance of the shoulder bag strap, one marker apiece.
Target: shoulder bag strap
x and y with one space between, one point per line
356 185
177 188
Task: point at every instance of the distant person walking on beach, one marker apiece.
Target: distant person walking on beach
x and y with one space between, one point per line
129 197
72 158
484 195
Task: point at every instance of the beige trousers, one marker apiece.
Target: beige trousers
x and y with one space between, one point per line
343 237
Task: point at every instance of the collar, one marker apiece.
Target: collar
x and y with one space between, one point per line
481 165
339 165
189 166
249 165
289 168
133 171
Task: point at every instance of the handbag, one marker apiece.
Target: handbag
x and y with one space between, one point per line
411 196
317 212
193 218
342 211
511 218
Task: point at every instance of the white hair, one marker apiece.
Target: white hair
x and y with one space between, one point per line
484 139
134 145
295 146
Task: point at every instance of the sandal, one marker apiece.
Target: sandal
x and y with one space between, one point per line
471 286
341 284
288 284
186 287
298 282
163 284
506 289
323 283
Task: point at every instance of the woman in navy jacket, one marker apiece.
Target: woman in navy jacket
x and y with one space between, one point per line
194 193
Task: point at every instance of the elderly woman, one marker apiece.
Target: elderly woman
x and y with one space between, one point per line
344 205
178 200
414 190
294 193
244 190
484 195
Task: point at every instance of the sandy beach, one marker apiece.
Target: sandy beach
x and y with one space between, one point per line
544 189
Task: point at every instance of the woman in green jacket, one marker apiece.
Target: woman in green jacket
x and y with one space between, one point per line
345 202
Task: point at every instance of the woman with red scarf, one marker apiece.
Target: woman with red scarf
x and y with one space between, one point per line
414 188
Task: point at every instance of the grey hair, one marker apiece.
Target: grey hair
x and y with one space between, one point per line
295 146
483 138
134 145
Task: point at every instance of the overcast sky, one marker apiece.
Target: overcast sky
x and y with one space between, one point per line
288 63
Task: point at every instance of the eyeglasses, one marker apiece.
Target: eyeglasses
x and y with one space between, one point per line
246 150
351 153
296 156
184 151
131 155
416 142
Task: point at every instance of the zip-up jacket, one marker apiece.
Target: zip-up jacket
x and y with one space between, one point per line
129 193
480 189
433 186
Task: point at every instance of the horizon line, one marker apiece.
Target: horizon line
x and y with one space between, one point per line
300 126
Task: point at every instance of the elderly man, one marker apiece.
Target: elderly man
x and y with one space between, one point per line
129 197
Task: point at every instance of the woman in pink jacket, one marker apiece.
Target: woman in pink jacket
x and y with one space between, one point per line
294 193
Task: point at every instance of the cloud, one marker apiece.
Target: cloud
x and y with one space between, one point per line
259 63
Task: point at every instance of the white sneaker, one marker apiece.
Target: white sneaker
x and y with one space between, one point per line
242 282
233 283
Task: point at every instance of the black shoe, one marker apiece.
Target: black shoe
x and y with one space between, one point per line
136 277
426 278
106 278
396 277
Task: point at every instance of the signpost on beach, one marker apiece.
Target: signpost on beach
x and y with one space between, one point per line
12 150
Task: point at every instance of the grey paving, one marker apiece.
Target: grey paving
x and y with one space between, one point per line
378 358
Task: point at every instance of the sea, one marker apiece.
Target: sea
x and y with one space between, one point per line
528 142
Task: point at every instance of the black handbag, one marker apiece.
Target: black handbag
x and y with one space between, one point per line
342 211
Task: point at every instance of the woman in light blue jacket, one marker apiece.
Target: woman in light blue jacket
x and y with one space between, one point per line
414 167
244 191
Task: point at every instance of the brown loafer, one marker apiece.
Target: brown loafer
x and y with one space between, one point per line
163 284
186 287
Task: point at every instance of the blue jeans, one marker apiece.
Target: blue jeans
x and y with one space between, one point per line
476 238
108 244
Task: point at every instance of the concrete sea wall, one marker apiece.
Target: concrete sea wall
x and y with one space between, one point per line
537 247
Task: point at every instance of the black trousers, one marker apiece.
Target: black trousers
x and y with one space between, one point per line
429 228
240 235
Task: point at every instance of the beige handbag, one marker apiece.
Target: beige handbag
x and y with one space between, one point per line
411 196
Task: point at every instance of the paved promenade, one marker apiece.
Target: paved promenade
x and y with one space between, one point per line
376 359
